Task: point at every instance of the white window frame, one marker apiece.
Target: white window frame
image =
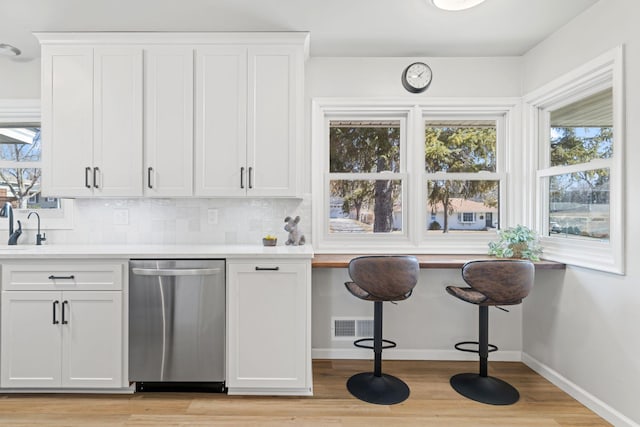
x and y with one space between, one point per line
506 117
463 221
414 237
15 111
393 239
603 72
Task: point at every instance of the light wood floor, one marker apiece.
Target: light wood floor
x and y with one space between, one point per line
432 403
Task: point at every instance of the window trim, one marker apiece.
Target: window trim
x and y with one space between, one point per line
16 111
603 72
416 113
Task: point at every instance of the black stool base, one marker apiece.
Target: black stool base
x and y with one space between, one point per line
490 390
383 390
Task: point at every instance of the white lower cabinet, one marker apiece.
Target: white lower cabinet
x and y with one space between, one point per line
71 338
268 327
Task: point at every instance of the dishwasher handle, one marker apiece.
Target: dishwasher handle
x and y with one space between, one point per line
176 271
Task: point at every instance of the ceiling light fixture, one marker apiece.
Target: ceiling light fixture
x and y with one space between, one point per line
7 49
456 4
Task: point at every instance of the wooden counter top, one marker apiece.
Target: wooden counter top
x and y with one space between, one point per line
426 261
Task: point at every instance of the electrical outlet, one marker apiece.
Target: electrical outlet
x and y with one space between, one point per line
212 216
120 216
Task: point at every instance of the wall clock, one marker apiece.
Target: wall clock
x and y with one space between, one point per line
416 78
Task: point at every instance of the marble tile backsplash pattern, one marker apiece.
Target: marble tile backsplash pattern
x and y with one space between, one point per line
181 221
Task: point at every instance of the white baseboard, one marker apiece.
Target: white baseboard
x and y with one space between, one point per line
411 354
587 399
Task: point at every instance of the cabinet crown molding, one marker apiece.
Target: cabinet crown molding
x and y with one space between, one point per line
296 38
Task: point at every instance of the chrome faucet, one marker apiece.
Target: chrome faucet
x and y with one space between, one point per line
7 212
39 237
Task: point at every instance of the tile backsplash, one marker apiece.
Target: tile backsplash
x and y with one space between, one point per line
179 221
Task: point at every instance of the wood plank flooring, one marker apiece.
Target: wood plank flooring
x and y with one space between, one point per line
432 403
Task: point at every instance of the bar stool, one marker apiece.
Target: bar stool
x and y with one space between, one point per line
492 283
379 279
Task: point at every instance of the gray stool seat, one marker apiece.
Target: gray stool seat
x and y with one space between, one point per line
491 283
379 279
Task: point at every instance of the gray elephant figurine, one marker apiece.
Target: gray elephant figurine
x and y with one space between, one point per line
296 237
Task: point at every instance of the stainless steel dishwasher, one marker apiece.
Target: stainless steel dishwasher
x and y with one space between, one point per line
177 324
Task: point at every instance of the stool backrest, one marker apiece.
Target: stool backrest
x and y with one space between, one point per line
502 281
385 276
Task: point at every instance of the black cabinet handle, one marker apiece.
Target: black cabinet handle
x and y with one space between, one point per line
267 268
52 277
95 180
242 177
250 180
55 321
87 170
149 171
64 322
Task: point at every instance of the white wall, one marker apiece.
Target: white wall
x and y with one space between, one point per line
586 327
425 326
380 77
19 79
428 324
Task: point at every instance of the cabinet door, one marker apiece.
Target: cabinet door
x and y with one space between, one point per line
117 108
268 321
168 121
221 110
92 339
275 107
67 120
31 339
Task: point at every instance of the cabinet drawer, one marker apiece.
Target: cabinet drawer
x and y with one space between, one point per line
63 276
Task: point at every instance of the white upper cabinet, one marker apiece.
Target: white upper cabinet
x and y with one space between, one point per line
248 120
221 121
117 124
106 96
275 110
92 121
168 121
67 120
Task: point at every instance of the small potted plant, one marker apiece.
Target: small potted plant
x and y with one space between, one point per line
516 242
269 240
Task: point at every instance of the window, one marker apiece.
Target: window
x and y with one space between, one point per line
579 170
20 166
20 173
468 217
465 149
361 152
388 176
579 134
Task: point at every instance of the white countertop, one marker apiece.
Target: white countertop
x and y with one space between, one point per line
154 251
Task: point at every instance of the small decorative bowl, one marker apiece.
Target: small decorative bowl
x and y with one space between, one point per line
269 242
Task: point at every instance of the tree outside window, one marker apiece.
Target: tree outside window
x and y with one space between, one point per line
580 135
20 173
360 153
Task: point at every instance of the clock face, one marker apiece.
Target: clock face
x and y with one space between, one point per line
417 77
